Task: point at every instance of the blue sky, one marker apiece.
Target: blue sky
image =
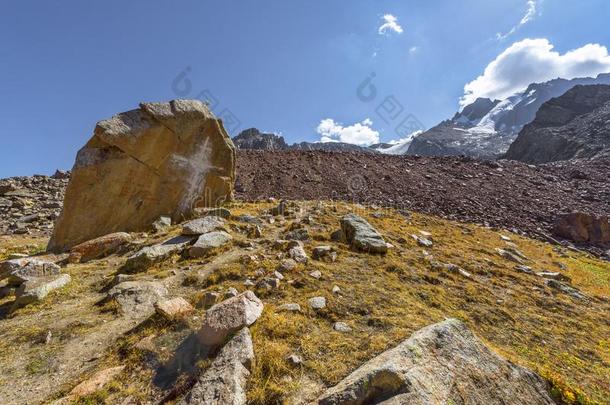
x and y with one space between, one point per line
282 66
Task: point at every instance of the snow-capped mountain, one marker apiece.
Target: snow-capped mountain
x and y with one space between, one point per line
486 128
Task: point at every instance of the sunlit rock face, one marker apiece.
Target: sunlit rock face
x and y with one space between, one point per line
160 159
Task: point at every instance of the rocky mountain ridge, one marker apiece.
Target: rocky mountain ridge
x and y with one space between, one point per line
486 128
253 139
573 126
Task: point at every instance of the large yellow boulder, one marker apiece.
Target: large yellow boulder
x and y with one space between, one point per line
161 159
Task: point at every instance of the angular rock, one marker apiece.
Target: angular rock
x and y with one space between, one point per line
137 298
566 289
18 271
317 302
580 227
361 235
37 289
162 223
203 225
208 242
148 256
174 308
229 316
296 251
99 247
224 382
160 159
441 364
287 265
509 255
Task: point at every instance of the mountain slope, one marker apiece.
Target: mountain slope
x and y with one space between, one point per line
486 128
575 125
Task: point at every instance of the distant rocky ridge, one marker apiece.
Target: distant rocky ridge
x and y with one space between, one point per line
486 128
30 205
574 125
253 139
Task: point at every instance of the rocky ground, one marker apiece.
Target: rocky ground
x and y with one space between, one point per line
505 194
30 205
323 310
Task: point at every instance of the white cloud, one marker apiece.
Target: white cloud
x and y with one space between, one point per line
534 61
413 49
529 16
390 23
361 133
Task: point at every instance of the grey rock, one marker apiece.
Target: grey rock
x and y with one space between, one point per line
138 298
361 235
208 242
162 223
566 289
224 382
18 271
296 251
316 274
294 359
426 368
148 256
524 269
317 303
38 288
203 225
509 255
341 327
287 265
228 317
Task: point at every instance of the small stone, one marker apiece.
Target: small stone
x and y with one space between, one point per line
317 302
509 256
524 269
278 275
269 283
203 225
149 255
174 308
137 298
297 252
292 307
336 289
287 265
505 238
341 327
210 298
98 247
566 289
162 223
231 292
249 283
294 359
316 274
422 241
553 275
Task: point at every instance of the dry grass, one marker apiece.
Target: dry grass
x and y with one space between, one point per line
384 299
